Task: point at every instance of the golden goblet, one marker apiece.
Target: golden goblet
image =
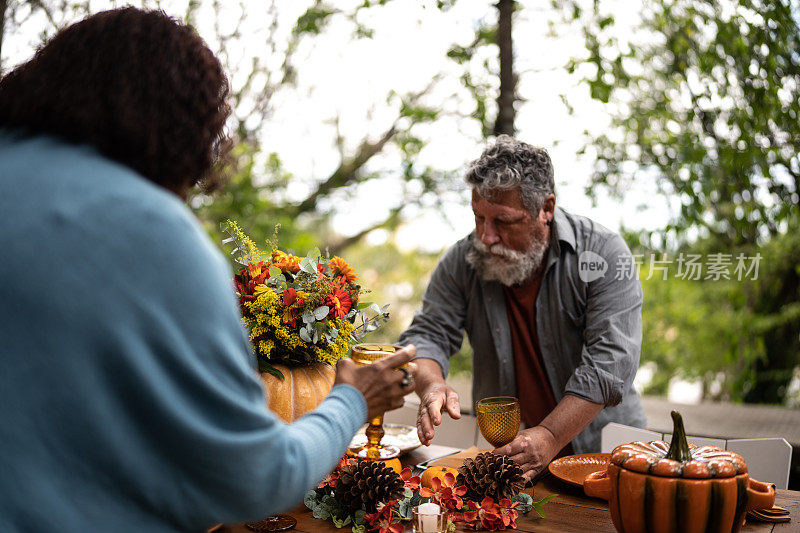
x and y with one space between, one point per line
498 419
366 354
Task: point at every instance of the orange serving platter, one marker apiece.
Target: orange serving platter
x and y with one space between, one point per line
573 469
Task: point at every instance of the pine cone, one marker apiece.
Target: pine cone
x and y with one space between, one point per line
491 475
364 484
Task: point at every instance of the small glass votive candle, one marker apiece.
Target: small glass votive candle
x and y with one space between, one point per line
428 518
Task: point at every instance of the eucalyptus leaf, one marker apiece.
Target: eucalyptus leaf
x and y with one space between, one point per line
314 255
308 317
374 307
304 336
310 499
525 502
340 523
321 512
274 271
321 312
308 266
404 509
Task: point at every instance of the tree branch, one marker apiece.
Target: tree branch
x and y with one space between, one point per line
47 13
389 222
3 6
347 171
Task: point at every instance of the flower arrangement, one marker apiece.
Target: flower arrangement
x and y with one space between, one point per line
298 309
388 516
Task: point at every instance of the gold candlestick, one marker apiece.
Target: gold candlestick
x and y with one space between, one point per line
366 354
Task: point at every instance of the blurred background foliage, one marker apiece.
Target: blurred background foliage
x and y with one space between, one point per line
702 97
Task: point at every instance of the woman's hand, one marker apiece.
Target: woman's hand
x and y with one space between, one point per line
382 383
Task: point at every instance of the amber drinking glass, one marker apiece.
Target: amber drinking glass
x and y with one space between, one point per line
498 419
366 354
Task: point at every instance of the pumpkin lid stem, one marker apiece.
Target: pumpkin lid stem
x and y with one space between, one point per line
678 448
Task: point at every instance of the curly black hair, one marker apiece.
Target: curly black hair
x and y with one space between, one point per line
140 86
508 164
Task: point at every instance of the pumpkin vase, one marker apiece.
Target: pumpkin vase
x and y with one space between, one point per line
301 390
654 487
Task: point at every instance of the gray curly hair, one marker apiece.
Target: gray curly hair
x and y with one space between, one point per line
508 164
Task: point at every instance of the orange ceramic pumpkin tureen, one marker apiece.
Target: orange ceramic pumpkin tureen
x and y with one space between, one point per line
657 487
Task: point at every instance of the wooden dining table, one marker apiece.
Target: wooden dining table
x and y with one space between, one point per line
570 511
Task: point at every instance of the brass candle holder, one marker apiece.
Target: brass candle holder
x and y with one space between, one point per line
373 450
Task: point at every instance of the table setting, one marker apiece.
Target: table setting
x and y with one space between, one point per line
437 489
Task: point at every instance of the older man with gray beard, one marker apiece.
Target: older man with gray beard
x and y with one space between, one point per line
551 304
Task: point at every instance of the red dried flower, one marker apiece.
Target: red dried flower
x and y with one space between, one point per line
490 515
333 478
385 520
411 481
444 492
293 305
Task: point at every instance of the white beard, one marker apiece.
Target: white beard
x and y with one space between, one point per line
500 263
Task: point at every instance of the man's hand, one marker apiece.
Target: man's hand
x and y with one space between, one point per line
532 449
381 383
535 447
435 397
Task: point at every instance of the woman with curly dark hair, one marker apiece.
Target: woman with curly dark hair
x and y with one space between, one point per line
142 89
128 392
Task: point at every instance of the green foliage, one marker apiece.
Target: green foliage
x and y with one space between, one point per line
697 330
705 100
539 506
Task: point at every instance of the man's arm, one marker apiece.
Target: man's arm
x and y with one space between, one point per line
535 447
438 331
435 396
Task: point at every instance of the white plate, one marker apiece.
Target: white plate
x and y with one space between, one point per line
404 437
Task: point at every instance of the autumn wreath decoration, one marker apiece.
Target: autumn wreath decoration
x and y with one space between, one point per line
371 497
298 310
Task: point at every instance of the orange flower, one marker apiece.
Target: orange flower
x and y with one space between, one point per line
444 492
286 262
490 515
341 268
411 481
258 272
385 520
339 302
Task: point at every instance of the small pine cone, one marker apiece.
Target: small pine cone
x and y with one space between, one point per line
364 484
491 475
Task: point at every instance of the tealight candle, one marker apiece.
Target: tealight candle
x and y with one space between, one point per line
428 518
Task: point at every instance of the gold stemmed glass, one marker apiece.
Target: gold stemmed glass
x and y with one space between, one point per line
366 354
498 419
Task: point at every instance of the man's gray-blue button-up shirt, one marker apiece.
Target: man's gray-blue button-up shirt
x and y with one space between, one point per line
588 319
